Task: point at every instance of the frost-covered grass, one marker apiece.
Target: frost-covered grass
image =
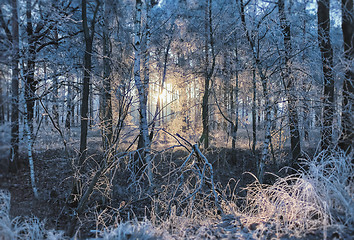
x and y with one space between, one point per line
132 230
291 205
332 176
313 199
22 228
319 196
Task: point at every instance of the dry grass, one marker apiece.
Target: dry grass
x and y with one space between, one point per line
314 199
291 205
332 177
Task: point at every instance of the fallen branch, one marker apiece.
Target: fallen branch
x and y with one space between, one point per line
204 170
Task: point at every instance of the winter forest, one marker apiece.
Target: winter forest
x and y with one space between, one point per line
176 119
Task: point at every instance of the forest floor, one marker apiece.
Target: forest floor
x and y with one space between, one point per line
128 201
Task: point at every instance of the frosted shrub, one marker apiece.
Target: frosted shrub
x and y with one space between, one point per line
132 230
315 198
332 176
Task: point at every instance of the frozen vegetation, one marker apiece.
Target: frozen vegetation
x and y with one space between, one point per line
315 203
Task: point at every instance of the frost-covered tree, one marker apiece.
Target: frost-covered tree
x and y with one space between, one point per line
347 136
89 34
142 83
289 84
324 24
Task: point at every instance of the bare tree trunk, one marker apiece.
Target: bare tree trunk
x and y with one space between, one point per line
69 107
106 101
235 126
288 82
327 66
90 119
31 82
55 96
268 108
2 108
142 90
208 72
254 112
28 134
347 136
13 166
304 116
88 36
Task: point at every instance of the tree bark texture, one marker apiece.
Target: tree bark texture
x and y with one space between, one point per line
236 90
31 82
88 37
142 88
347 137
208 72
2 107
268 108
254 112
289 85
327 67
13 165
107 102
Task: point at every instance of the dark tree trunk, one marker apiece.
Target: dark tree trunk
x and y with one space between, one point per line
289 81
13 166
235 126
88 36
347 136
69 108
55 109
208 72
327 66
106 101
31 82
2 108
85 101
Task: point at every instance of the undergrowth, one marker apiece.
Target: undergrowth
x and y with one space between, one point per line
320 195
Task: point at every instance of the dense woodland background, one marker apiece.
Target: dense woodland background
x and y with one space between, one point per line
159 103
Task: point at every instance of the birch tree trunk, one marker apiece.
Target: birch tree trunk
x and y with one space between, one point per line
142 88
268 108
28 134
347 136
327 67
254 112
288 82
236 90
13 165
